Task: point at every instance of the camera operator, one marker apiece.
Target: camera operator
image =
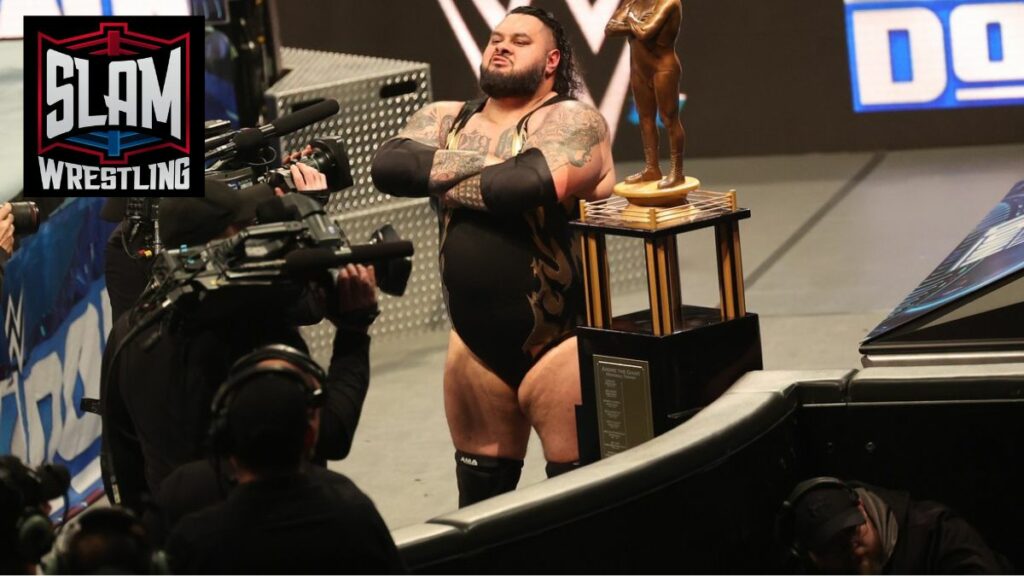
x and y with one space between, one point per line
26 533
155 399
284 515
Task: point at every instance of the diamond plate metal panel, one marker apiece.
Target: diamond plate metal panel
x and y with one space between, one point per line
365 121
366 118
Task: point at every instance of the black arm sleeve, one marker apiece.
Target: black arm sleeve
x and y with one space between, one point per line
122 463
347 381
402 167
4 256
518 184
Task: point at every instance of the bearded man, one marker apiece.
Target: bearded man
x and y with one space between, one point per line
506 173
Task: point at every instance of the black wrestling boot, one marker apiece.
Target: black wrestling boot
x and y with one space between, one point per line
481 477
558 468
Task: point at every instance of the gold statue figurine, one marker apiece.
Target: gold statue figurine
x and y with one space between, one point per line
652 27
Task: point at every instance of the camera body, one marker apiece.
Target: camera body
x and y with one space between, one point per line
295 242
253 161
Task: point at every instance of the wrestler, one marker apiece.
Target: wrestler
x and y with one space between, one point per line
507 172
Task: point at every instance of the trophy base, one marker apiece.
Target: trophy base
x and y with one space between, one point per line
647 194
617 212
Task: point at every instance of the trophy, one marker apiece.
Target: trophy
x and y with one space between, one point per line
652 27
644 372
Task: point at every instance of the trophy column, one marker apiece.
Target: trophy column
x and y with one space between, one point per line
646 372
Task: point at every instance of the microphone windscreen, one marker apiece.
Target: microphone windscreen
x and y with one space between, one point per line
309 259
248 139
308 115
365 253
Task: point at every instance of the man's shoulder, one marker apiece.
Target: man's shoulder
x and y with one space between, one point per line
444 108
572 111
201 528
337 483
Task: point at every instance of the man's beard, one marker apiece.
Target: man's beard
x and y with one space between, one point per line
512 84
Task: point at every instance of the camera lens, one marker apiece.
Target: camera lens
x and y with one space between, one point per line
393 274
330 158
26 217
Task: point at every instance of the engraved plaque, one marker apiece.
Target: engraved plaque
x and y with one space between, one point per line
623 403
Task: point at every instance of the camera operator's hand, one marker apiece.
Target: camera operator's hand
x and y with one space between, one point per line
355 298
6 229
306 178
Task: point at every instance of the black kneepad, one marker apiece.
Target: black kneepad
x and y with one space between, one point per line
481 477
521 183
402 167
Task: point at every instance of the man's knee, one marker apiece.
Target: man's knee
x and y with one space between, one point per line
481 477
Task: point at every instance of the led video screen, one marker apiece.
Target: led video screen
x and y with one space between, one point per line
917 54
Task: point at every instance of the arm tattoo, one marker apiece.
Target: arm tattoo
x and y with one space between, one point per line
466 194
569 135
453 166
423 126
446 126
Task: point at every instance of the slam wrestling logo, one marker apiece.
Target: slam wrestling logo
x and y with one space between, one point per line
111 108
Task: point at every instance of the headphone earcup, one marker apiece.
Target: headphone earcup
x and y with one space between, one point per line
35 536
784 534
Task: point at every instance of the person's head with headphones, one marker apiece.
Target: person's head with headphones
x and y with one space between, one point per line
26 533
266 415
105 540
826 526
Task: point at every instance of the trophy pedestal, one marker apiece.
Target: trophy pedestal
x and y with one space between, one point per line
644 373
649 194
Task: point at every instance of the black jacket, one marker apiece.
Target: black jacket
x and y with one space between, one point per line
308 523
156 394
933 539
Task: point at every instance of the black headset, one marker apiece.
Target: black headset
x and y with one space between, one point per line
33 529
785 529
96 520
299 368
28 489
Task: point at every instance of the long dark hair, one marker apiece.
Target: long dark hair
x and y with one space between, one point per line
567 77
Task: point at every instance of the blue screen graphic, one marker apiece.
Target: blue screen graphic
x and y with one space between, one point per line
918 54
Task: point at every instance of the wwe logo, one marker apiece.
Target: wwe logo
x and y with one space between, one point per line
14 330
590 18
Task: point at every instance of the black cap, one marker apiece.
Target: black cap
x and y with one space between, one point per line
824 512
267 421
195 221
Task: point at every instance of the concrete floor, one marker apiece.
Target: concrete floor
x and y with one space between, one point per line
835 242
